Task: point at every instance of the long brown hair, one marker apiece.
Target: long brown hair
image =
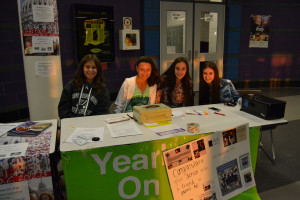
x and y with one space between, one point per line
170 81
80 79
154 77
204 90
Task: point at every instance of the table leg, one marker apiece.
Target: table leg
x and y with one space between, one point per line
271 157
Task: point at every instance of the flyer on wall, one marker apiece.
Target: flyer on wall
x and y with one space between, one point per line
40 30
259 35
216 166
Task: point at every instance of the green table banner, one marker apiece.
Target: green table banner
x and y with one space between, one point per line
133 171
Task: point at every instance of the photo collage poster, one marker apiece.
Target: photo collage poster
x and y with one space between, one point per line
40 31
259 35
217 166
32 171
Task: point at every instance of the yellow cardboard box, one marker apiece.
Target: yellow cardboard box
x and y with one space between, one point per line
152 113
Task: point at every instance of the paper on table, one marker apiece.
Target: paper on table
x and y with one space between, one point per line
123 129
6 127
177 113
85 135
164 128
13 150
117 119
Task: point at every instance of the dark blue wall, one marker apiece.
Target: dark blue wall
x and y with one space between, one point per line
277 65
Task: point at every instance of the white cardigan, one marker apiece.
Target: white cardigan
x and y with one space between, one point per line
126 92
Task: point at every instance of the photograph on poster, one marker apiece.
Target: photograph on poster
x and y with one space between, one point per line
199 148
248 178
229 137
244 161
211 196
178 156
229 177
41 188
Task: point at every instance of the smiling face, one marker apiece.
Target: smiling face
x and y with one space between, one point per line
180 70
144 70
90 71
208 75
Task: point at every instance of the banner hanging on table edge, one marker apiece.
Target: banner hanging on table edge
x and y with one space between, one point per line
130 171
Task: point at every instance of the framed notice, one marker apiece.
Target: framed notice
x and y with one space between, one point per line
94 29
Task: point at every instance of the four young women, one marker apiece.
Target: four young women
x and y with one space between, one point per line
87 94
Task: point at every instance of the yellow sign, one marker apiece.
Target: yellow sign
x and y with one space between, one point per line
94 31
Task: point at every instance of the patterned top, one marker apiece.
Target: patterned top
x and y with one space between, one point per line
139 98
177 96
228 92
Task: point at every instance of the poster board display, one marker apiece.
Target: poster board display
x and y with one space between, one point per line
259 35
30 175
216 166
40 32
94 29
134 171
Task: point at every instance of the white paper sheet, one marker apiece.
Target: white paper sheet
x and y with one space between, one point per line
82 136
13 150
17 191
164 128
123 129
6 127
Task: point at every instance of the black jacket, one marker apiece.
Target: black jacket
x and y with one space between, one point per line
91 103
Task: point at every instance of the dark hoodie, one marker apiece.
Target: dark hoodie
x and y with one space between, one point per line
74 103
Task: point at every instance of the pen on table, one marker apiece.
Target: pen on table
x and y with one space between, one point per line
219 113
197 112
130 116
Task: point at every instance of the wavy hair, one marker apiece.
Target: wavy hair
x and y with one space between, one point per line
80 79
206 91
170 81
154 77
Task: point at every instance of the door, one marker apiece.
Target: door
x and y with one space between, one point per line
197 35
175 33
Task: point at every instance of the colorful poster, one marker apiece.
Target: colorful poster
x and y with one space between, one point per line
259 35
40 30
35 163
137 171
29 176
208 168
94 31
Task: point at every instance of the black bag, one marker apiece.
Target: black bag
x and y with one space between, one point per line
262 106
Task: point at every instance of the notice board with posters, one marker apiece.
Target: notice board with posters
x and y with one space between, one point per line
94 29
